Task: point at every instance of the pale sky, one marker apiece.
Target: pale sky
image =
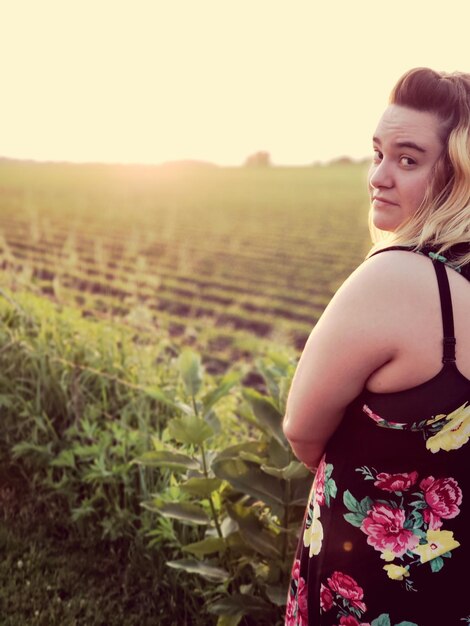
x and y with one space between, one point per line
216 80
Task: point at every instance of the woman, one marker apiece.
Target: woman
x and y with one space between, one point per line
380 402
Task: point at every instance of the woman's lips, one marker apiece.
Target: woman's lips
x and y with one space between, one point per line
378 201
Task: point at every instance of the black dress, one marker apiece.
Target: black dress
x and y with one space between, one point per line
384 540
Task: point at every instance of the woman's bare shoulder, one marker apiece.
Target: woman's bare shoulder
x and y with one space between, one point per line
385 273
379 298
395 263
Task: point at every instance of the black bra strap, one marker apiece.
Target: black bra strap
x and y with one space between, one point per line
448 355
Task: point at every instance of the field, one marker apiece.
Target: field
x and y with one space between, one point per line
211 257
150 321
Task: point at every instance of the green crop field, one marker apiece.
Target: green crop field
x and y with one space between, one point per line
150 322
211 257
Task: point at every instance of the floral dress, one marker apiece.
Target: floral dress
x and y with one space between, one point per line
385 539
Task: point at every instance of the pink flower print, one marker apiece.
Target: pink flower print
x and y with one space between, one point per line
296 570
302 603
291 611
296 609
385 530
347 588
326 598
443 497
371 414
320 482
348 621
396 482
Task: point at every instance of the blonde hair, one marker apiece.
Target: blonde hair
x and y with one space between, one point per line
443 218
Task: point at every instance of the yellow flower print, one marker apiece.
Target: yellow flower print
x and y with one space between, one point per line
454 434
437 418
316 537
387 555
396 572
438 543
313 535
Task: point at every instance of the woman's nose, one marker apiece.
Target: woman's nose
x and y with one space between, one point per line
380 175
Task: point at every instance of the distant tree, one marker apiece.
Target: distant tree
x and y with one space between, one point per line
258 159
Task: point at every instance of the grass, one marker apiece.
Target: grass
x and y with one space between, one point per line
78 402
50 576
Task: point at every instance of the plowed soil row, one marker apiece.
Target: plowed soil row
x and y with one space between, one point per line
219 250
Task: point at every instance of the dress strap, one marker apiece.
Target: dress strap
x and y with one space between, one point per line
448 355
448 352
392 248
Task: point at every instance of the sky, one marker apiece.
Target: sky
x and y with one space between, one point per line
149 81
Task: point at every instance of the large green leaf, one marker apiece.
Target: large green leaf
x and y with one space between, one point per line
277 371
267 414
272 471
223 388
165 458
252 532
249 479
210 572
258 448
253 458
239 604
190 429
183 511
261 541
190 368
206 546
201 486
296 470
292 471
279 455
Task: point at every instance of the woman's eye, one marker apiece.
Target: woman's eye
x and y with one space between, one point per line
404 160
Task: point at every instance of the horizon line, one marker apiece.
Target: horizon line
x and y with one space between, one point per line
189 161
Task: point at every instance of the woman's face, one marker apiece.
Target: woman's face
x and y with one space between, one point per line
406 146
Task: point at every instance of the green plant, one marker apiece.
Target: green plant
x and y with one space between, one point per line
245 500
76 416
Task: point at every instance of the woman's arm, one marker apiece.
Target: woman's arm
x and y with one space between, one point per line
354 337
